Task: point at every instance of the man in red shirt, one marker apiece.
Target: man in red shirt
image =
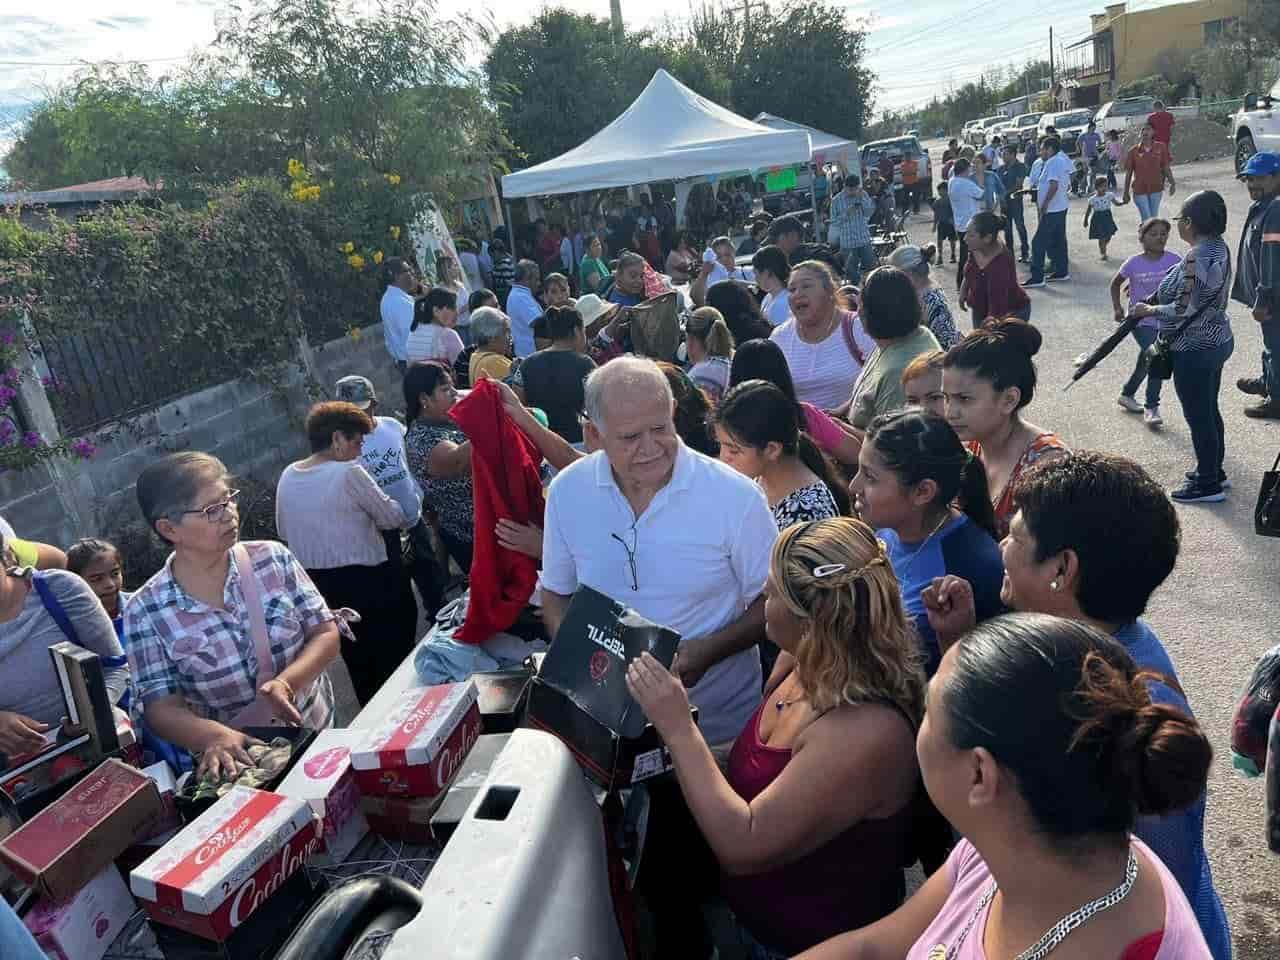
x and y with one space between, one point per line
1162 122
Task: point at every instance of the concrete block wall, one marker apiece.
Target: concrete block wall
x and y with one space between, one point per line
255 428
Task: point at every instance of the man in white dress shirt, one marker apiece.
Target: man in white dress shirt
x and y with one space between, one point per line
523 307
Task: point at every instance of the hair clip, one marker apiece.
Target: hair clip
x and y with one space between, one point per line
827 569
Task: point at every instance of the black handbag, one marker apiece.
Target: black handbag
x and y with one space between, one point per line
1266 515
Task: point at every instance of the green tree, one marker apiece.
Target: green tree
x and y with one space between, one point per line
350 90
807 63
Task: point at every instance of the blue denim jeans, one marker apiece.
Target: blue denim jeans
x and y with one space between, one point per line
1145 336
858 259
1014 218
1050 241
1271 357
1197 377
1148 204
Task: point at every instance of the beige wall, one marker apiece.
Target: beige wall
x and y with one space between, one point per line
1140 36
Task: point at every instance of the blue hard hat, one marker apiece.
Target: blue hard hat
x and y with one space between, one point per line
1262 165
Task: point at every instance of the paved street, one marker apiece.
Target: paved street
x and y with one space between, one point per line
1213 612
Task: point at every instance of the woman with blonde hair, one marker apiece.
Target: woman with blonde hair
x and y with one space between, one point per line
824 342
710 347
811 823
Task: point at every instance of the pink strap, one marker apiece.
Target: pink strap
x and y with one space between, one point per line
846 327
257 615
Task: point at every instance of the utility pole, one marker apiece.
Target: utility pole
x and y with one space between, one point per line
615 19
1052 73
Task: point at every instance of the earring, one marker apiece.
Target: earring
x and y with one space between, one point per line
1053 585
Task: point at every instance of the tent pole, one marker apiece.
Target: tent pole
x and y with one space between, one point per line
511 229
813 197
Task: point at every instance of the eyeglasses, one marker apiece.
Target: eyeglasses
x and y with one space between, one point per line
631 555
214 512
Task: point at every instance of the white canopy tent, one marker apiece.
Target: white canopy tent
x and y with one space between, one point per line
826 147
668 133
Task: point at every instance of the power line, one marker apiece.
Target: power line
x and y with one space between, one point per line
80 63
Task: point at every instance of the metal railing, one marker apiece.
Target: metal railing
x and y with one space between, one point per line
99 375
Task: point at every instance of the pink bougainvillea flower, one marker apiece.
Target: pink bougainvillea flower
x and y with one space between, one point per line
83 448
32 439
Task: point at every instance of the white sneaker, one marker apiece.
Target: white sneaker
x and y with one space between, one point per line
1130 404
1151 417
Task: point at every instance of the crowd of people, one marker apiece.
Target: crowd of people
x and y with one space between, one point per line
883 575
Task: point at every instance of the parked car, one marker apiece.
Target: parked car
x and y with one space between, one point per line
897 148
1024 127
1070 124
913 133
980 133
1256 125
1123 114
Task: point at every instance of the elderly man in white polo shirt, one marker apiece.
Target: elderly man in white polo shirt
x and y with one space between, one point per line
679 537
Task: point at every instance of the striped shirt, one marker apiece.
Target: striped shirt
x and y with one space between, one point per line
180 646
849 214
1198 287
824 373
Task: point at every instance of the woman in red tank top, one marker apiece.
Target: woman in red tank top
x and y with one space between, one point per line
812 823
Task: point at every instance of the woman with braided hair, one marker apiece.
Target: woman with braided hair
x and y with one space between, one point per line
926 496
812 822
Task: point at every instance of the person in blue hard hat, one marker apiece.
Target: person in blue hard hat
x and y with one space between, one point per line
1257 283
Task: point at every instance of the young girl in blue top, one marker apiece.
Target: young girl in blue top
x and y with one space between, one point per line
99 564
912 471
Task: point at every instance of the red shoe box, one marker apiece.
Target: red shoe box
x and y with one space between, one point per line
68 843
227 863
417 750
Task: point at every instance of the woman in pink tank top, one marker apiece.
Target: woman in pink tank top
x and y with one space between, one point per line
1041 745
812 823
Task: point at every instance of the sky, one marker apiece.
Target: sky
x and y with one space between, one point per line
916 49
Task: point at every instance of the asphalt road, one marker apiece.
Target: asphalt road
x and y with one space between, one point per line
1212 612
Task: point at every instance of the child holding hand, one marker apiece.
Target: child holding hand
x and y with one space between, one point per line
1099 209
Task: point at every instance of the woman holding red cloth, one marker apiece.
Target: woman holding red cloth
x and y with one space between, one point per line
990 287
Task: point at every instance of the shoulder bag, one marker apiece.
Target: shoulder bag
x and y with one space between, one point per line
1266 514
261 712
846 327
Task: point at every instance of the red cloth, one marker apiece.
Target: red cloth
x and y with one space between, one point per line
1144 948
506 485
1162 122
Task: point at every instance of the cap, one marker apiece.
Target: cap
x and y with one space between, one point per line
1262 165
357 390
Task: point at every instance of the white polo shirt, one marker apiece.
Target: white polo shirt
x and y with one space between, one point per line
1059 168
701 555
397 317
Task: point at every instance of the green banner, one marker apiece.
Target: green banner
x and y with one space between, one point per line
782 180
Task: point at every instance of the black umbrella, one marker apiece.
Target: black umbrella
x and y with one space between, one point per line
1103 349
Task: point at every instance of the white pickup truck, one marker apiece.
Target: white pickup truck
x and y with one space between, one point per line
1122 114
1256 125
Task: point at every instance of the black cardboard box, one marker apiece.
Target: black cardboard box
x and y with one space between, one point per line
609 760
580 693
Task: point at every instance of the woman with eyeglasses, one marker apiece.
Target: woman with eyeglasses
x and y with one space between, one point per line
193 631
31 604
812 821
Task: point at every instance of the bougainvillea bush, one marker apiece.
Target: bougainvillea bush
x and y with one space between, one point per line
168 299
